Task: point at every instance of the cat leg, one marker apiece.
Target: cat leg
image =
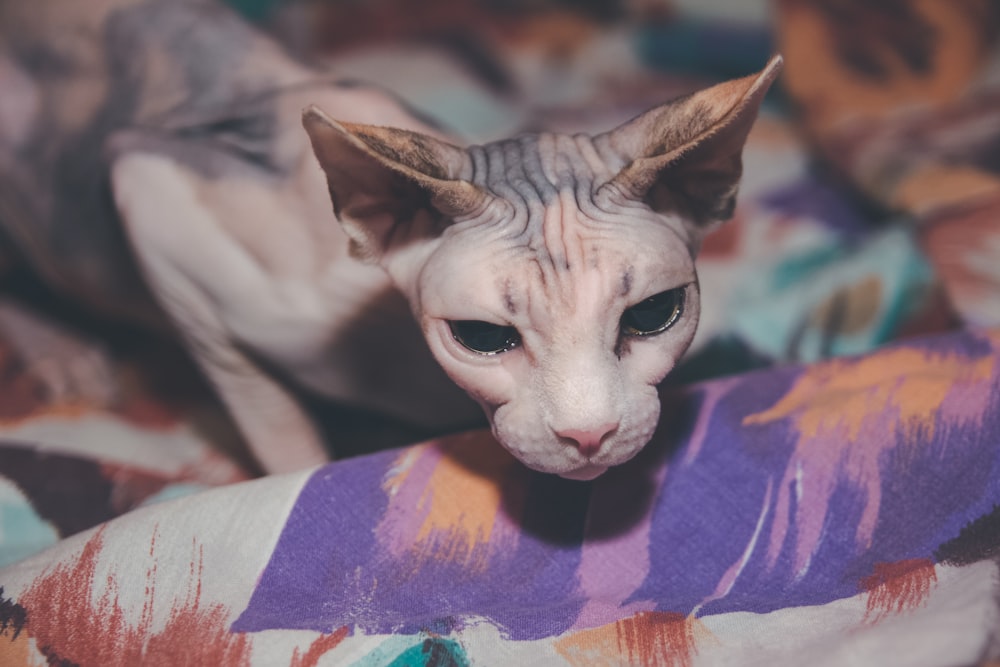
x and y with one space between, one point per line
197 272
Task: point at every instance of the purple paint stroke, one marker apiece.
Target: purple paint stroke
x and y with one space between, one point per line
678 523
404 514
817 200
614 564
711 392
930 483
321 553
707 512
732 574
330 567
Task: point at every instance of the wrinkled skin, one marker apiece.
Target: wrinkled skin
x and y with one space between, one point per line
555 238
575 383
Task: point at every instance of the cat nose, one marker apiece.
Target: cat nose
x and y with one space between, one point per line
588 441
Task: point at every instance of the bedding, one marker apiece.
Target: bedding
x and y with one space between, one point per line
844 511
823 487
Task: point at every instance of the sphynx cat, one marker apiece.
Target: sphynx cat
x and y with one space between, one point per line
548 277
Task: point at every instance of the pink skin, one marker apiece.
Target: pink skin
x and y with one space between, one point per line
576 396
555 237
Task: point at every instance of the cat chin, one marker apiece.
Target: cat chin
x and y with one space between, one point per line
584 474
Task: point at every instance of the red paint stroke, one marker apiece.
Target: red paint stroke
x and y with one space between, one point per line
724 241
320 647
67 625
657 639
894 588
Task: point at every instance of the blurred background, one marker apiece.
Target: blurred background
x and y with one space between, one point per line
870 204
489 67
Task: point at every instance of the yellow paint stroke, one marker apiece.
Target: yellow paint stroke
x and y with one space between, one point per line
844 394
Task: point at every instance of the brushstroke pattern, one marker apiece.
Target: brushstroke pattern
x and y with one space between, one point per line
792 492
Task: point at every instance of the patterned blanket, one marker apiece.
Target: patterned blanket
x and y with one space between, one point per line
840 512
822 488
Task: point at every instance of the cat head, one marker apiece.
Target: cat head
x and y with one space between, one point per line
552 275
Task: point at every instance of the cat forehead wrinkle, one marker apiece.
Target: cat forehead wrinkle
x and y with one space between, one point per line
497 169
534 166
554 250
543 179
602 170
545 287
626 282
561 161
508 296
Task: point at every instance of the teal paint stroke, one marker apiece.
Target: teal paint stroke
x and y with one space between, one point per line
419 651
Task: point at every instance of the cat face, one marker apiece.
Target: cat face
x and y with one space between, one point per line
553 276
563 334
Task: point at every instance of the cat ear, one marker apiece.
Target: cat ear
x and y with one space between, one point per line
686 156
388 184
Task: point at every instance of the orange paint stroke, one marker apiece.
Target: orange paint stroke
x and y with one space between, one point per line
894 588
59 411
461 500
841 395
460 504
19 652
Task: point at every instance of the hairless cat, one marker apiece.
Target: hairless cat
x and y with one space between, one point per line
549 277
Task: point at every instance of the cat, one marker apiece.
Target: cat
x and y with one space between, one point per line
549 279
552 275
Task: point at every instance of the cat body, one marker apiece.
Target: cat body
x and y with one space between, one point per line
243 257
163 139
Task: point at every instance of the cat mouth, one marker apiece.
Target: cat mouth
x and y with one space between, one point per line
584 473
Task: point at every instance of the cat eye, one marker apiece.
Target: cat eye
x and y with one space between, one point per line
655 314
484 337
